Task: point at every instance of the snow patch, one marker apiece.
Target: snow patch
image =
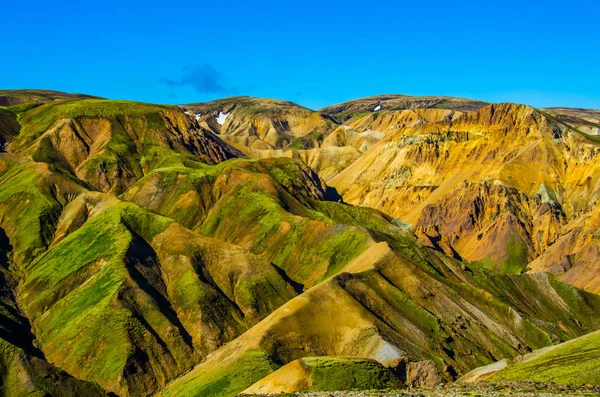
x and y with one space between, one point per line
198 116
222 117
387 354
188 113
378 108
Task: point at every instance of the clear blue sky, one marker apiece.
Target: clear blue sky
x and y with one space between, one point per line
543 53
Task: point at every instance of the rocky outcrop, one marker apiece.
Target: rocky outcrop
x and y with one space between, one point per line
504 185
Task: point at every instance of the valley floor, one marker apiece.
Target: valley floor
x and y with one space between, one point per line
518 389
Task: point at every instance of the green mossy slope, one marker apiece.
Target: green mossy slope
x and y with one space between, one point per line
574 362
111 144
227 379
270 207
327 374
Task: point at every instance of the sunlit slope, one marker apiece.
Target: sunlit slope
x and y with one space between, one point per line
327 374
402 102
23 369
271 207
584 120
400 302
111 144
264 128
111 291
25 97
327 141
499 185
574 362
136 252
257 124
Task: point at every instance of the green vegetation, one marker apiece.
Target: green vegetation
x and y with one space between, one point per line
268 210
515 263
74 286
39 119
30 211
573 362
314 139
180 258
518 257
23 375
337 373
226 380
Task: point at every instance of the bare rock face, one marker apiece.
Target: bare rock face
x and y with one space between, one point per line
422 374
328 140
504 184
256 124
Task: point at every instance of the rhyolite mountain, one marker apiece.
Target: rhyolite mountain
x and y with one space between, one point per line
203 249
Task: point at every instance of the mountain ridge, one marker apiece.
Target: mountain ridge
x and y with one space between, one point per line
203 249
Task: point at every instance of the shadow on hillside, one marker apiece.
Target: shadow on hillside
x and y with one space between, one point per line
331 194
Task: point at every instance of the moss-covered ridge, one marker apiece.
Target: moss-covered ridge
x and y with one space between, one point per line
118 301
111 144
573 362
327 374
199 264
35 97
111 294
23 368
272 207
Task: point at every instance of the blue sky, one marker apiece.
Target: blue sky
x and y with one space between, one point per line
316 53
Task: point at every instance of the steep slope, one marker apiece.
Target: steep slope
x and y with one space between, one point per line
574 362
146 310
9 127
467 187
111 295
271 207
24 374
136 252
405 307
111 144
23 368
129 299
257 124
264 128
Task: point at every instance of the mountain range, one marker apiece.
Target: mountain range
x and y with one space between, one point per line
255 246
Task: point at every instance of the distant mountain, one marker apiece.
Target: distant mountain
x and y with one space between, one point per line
402 102
20 97
262 128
